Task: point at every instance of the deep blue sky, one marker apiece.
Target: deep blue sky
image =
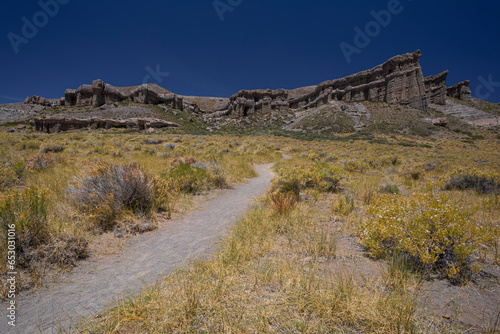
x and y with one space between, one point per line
260 44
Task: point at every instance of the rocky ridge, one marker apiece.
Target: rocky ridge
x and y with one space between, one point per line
399 80
53 124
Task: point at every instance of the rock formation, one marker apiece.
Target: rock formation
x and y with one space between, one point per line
460 91
399 80
100 93
247 102
435 87
42 101
55 124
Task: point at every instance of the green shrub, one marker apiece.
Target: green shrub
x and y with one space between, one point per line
344 205
188 178
52 148
20 168
481 184
389 189
28 145
433 230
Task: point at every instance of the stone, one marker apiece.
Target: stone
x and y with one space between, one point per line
460 91
100 93
399 80
51 124
440 122
42 101
435 87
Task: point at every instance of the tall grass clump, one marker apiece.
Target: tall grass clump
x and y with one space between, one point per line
433 230
25 212
105 189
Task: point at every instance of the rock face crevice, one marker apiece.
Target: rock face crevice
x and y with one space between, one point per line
460 91
56 124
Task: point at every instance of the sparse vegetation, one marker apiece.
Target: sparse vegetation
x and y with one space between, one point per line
282 267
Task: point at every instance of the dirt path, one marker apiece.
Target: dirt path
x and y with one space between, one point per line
145 258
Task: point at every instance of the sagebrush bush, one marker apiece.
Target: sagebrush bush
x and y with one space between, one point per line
52 148
104 190
482 180
432 229
481 184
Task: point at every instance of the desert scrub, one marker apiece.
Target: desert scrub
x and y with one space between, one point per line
481 184
257 282
8 177
483 181
41 161
185 176
105 189
165 196
432 229
344 205
191 177
26 211
319 176
38 245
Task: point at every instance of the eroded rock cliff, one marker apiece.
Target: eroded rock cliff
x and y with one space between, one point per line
55 124
399 80
460 91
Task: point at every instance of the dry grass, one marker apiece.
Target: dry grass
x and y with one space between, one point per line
275 272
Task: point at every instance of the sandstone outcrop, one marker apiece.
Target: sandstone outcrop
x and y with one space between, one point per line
399 80
460 91
42 101
100 93
435 87
440 121
55 124
247 102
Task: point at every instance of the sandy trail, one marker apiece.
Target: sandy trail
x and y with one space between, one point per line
146 258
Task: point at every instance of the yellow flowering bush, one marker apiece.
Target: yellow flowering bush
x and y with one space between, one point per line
431 228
